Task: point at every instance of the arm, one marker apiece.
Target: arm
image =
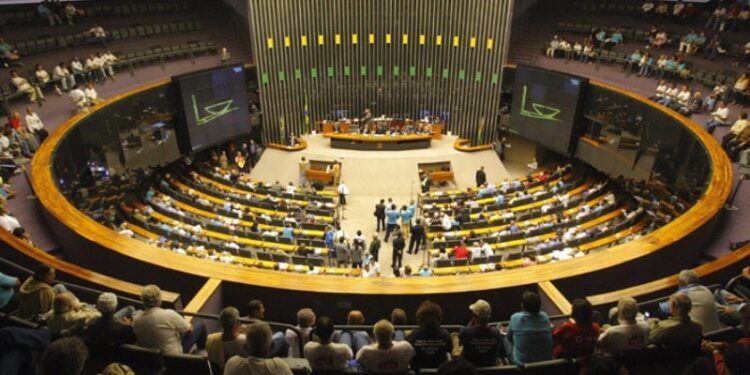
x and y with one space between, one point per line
8 281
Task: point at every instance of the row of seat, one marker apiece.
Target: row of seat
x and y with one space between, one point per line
49 43
16 15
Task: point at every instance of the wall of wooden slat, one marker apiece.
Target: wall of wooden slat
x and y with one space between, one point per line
397 57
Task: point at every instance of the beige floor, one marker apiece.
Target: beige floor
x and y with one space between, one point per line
375 175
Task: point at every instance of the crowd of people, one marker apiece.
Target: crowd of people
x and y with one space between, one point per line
248 345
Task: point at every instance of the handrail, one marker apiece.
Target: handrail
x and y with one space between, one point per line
461 145
298 147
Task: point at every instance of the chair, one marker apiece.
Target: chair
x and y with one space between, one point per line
262 255
479 260
141 360
316 261
299 260
443 263
186 364
279 258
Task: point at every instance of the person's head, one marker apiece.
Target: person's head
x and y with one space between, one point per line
66 356
151 296
680 305
374 236
627 309
743 115
13 73
722 104
44 273
530 302
398 316
258 338
29 110
481 311
737 359
688 277
255 309
382 201
324 329
355 318
229 317
383 332
305 318
583 312
106 303
429 315
457 366
39 67
63 302
393 206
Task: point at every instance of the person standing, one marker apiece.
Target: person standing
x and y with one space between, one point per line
391 220
481 177
398 251
375 246
343 255
304 165
380 215
532 166
358 249
417 236
336 172
343 191
405 214
253 153
425 182
224 56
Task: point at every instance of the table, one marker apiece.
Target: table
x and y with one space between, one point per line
364 142
345 126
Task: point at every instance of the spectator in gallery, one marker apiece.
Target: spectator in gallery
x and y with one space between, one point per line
322 353
629 333
61 73
36 294
719 118
432 344
66 356
165 329
45 12
8 295
22 85
385 355
679 330
114 327
576 337
258 347
554 44
529 336
230 342
69 315
305 323
482 345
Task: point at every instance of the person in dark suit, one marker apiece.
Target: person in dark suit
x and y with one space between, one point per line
380 215
481 177
398 250
426 182
417 236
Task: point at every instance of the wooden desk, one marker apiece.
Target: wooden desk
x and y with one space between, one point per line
319 175
441 176
364 142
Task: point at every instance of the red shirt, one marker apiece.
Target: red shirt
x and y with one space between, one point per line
15 123
573 340
460 252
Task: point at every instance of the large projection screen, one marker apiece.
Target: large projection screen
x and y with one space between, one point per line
212 107
545 107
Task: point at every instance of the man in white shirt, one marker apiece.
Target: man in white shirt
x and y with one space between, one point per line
95 67
7 221
164 329
305 322
324 354
78 97
258 346
91 95
718 117
61 72
109 61
682 98
98 34
384 355
77 68
343 191
629 334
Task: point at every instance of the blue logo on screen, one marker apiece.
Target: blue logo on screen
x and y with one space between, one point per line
237 69
575 82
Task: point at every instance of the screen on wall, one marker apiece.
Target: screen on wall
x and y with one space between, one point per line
213 107
545 106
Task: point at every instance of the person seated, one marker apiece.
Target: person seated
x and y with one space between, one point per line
114 327
693 105
482 345
36 294
97 34
305 322
355 339
718 118
660 39
69 316
678 331
9 55
703 309
79 98
258 346
647 7
576 337
221 346
323 354
22 85
554 44
720 350
66 356
681 99
529 336
165 329
385 356
629 333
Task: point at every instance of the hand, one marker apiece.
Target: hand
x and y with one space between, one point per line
732 298
724 310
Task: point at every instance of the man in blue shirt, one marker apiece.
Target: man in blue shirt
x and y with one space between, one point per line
288 232
406 215
391 220
529 336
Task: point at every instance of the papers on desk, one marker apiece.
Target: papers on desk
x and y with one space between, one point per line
487 267
318 251
283 266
